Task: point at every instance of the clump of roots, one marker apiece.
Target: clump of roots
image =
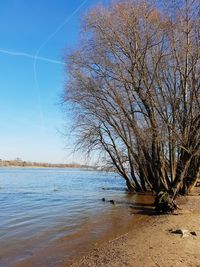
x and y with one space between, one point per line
164 203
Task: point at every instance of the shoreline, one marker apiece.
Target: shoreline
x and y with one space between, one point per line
30 164
94 233
146 242
43 167
151 243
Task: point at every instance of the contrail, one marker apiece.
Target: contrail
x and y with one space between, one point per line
36 56
13 53
60 27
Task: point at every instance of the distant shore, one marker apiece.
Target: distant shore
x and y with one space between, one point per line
28 164
151 243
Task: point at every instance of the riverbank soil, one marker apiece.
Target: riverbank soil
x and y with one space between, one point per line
151 243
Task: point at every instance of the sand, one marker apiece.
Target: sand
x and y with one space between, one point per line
150 243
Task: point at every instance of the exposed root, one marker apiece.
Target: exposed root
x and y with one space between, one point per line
164 203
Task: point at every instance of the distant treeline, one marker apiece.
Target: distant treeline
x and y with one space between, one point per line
21 163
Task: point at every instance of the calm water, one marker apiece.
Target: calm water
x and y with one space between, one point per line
39 206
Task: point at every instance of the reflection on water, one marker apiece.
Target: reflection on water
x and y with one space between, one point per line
39 206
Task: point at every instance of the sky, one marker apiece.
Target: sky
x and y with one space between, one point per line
35 35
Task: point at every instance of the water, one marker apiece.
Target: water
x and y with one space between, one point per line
40 206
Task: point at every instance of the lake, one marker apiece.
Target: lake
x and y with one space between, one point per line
45 209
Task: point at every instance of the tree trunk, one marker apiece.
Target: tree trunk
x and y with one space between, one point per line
195 180
130 186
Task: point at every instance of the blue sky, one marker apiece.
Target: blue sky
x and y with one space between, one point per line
30 117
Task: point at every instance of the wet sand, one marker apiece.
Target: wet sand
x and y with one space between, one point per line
151 244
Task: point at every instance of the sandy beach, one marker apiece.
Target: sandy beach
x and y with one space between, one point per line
150 243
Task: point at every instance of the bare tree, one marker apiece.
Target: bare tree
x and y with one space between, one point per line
135 89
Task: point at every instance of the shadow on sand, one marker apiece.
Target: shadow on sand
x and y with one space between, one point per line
143 209
142 203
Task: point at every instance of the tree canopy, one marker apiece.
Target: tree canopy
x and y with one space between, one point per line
134 84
